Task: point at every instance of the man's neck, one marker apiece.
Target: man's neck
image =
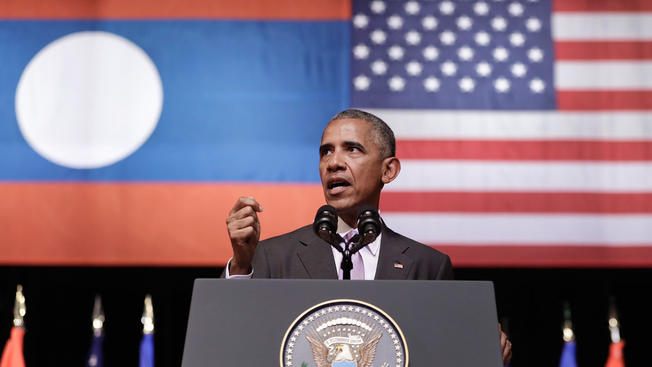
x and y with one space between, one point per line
342 226
348 218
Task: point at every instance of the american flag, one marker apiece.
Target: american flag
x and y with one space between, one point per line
524 127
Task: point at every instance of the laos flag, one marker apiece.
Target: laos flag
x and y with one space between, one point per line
129 128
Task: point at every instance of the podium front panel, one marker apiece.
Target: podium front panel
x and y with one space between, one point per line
244 322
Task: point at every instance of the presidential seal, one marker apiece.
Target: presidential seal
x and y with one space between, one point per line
344 333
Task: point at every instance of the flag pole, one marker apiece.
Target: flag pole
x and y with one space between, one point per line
614 325
20 308
96 355
12 356
147 342
568 352
567 330
615 358
98 316
148 316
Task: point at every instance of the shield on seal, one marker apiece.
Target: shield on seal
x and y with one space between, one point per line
345 364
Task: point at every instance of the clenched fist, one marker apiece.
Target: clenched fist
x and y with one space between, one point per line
244 232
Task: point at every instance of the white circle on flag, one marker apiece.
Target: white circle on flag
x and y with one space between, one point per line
88 100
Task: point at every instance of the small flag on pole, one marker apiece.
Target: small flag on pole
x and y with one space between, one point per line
147 343
568 353
12 356
95 358
615 358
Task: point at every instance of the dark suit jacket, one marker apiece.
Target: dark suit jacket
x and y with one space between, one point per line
302 255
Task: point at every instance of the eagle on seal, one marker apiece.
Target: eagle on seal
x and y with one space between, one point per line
340 355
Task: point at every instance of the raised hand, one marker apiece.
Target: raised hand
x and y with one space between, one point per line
244 232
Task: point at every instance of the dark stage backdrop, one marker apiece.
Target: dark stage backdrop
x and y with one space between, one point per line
60 302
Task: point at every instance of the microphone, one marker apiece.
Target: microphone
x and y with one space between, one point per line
369 226
325 225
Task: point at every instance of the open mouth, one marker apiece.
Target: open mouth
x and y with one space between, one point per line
336 186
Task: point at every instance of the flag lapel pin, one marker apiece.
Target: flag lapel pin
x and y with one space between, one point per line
398 265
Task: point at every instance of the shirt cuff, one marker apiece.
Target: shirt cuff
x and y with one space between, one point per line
227 275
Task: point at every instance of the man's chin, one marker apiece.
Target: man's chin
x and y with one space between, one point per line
342 204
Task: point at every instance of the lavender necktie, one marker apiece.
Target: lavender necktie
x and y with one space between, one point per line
357 273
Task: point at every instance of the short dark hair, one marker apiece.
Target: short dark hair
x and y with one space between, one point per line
384 136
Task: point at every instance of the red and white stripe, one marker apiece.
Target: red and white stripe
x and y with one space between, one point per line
571 187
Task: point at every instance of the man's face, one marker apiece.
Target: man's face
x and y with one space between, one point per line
350 165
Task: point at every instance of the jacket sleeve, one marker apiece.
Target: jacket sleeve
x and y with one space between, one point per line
260 263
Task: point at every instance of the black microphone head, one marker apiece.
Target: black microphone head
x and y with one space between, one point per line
368 221
325 224
326 210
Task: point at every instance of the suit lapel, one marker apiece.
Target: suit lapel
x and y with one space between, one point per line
316 256
393 263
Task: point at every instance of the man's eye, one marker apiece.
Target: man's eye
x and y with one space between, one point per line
354 149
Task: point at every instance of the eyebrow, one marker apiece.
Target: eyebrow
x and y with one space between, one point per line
348 144
354 144
323 147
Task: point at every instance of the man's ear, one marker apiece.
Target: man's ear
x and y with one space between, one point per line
391 168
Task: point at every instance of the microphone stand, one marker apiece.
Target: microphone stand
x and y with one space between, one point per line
351 247
347 262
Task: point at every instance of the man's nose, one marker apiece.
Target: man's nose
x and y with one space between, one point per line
336 162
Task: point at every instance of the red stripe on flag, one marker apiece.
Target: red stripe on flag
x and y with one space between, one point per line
602 5
148 9
171 224
526 150
629 50
624 100
541 255
516 202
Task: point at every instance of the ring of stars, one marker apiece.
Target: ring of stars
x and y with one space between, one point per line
351 317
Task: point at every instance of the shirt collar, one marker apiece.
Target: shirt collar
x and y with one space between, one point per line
342 227
372 247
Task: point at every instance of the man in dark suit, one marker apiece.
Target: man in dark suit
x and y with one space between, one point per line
357 158
301 254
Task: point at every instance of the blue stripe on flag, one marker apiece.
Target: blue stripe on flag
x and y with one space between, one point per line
243 100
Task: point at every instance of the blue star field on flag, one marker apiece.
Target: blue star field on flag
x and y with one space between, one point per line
450 54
